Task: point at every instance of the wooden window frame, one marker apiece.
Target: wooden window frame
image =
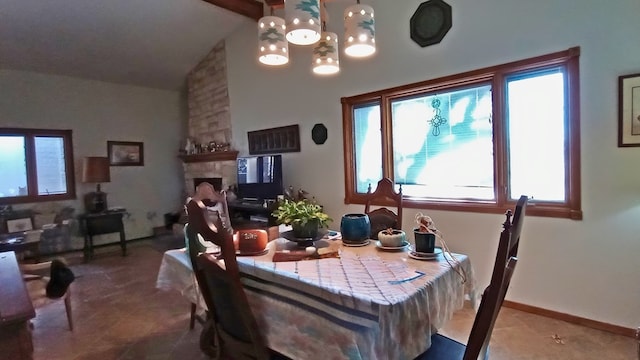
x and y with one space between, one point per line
30 159
495 75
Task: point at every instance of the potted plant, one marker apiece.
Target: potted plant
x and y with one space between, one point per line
392 237
304 216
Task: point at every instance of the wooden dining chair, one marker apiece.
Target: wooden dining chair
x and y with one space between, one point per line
231 330
192 252
44 290
204 192
444 348
382 218
638 340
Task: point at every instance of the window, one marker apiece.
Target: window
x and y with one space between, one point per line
474 141
36 165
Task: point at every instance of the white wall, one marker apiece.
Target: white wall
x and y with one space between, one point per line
586 268
97 112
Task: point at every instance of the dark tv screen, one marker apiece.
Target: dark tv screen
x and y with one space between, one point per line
260 177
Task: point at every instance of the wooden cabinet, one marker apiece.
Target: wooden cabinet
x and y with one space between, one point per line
248 215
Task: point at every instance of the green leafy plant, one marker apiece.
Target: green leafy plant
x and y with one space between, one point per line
290 212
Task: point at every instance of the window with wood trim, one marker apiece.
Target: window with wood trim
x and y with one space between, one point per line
474 141
36 165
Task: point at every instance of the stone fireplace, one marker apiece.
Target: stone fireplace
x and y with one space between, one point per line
209 119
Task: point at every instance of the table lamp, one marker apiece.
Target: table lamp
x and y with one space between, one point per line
95 169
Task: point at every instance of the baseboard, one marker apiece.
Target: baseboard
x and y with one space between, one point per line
620 330
162 230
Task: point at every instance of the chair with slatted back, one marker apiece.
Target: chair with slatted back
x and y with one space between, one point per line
231 329
444 348
205 193
39 279
382 218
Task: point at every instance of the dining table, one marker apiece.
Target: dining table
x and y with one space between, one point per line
366 302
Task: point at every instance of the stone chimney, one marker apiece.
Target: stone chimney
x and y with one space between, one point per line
209 116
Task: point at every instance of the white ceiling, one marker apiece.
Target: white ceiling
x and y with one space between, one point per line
152 43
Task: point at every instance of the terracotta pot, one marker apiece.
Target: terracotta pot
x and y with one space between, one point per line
397 238
250 241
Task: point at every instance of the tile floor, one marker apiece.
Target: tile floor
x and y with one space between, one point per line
119 314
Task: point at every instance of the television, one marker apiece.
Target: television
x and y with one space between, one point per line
260 177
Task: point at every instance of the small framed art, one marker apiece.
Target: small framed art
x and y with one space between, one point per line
125 153
19 225
629 110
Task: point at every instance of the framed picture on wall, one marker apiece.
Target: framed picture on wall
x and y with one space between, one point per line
125 153
629 110
275 140
18 225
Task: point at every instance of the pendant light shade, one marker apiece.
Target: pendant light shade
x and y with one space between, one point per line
325 54
273 48
359 31
303 21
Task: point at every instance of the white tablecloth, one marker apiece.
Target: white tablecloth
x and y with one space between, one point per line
342 308
176 273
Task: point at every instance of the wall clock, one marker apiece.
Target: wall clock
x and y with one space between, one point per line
431 22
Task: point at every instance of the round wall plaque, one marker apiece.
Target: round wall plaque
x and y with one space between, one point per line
319 134
431 22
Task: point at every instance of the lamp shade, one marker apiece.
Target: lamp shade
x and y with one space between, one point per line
273 48
359 31
303 21
325 55
95 169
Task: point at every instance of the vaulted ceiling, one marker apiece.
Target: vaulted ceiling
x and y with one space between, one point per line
140 42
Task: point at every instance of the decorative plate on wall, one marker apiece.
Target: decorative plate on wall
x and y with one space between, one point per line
319 134
431 22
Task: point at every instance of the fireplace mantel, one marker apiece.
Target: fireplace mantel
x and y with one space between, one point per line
210 156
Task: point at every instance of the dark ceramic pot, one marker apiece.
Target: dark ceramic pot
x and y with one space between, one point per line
355 228
425 242
308 230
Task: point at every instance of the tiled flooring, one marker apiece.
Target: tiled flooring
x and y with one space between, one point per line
119 314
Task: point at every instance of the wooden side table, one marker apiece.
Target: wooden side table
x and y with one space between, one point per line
101 223
22 242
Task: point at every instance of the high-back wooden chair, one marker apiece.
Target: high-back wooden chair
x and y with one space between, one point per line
231 329
383 218
444 348
204 192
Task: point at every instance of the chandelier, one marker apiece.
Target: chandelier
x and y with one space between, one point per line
304 24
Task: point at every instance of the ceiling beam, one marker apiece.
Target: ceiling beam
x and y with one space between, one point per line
249 8
276 4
